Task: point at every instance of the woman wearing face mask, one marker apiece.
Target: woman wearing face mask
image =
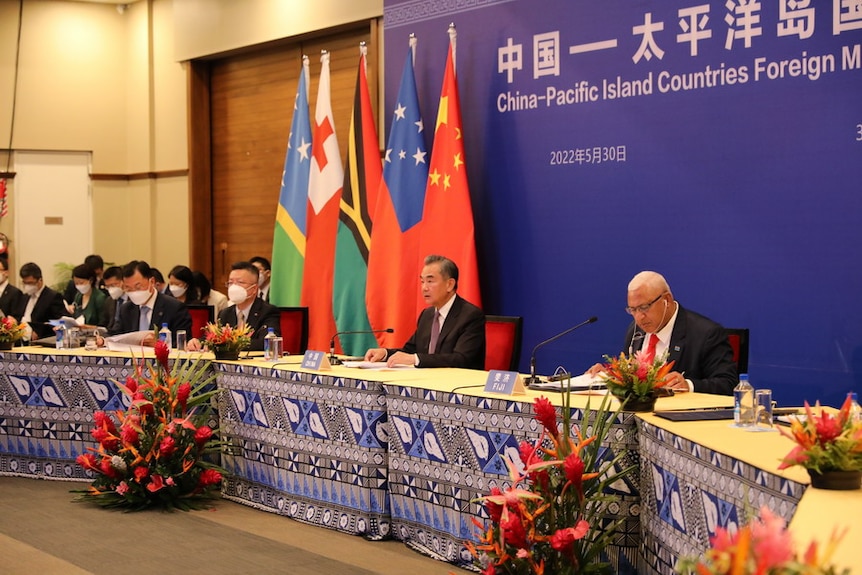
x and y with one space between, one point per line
181 283
89 300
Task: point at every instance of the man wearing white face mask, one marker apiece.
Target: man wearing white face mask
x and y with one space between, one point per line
113 278
9 294
248 308
147 308
40 304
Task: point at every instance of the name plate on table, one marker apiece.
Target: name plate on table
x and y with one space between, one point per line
315 360
504 382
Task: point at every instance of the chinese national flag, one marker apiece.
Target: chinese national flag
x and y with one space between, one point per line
447 221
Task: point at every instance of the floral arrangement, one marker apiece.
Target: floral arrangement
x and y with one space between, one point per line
763 546
224 338
556 523
635 375
825 442
153 454
11 330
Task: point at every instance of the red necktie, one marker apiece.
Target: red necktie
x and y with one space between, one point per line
435 332
650 350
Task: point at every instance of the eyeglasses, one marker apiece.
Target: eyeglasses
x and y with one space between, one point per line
238 283
645 307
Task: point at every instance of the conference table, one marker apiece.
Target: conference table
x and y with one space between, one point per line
403 453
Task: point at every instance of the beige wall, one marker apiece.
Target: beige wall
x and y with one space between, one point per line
93 79
207 27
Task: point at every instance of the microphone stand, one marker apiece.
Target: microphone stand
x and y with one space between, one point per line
333 360
533 378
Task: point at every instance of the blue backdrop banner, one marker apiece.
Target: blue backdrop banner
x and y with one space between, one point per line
719 143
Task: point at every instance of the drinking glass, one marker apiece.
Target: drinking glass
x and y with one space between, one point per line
763 405
181 340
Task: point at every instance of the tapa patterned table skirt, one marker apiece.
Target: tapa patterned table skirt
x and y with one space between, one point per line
311 447
447 449
688 490
46 410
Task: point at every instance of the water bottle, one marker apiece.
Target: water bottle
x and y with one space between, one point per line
60 334
165 335
267 345
855 409
743 402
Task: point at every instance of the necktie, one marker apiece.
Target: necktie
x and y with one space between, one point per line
120 303
650 350
435 332
240 319
144 322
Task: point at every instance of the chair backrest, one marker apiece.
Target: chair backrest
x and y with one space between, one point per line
503 342
294 329
202 314
738 339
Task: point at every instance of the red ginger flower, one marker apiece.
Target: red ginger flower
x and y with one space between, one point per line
203 434
167 446
828 428
513 530
141 473
130 435
183 392
574 469
162 351
103 420
546 415
209 477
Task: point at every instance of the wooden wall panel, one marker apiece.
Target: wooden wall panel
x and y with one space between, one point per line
251 103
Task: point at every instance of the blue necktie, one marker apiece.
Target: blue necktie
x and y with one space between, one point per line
144 323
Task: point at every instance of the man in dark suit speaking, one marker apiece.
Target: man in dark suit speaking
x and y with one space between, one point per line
698 346
449 333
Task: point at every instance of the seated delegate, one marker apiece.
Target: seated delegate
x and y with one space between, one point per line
702 356
449 333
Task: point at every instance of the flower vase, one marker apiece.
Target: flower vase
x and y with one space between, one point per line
6 345
638 404
839 480
226 354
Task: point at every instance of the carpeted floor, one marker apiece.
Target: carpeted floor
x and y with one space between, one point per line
43 532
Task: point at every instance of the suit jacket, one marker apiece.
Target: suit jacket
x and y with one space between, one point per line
261 316
112 309
461 342
166 309
9 300
49 306
700 348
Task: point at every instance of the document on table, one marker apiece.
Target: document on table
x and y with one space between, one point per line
375 365
126 341
583 382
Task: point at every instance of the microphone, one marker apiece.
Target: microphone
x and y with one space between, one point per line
334 360
533 378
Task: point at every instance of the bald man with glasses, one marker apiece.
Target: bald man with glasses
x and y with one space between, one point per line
698 346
